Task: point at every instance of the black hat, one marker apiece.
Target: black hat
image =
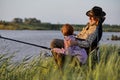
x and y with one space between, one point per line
96 11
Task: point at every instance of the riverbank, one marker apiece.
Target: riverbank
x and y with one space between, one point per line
49 26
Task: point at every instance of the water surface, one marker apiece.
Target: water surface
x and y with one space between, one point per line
38 37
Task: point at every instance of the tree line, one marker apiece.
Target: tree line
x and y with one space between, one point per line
36 24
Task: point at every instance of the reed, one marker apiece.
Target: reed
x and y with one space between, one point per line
44 68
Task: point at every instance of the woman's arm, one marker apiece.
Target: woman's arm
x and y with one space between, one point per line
87 43
84 43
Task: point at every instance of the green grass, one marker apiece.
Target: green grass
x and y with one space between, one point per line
44 68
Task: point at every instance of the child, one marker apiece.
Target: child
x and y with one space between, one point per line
67 31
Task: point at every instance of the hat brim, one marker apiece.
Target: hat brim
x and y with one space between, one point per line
91 13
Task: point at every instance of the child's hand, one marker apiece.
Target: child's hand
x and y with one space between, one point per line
53 50
58 50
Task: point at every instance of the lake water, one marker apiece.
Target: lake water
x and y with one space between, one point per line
38 37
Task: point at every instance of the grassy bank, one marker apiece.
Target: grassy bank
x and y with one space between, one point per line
44 68
49 26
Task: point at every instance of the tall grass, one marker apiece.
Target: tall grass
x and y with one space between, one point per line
44 68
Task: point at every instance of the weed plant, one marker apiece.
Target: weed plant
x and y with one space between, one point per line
44 68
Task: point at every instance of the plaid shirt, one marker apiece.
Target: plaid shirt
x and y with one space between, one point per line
89 33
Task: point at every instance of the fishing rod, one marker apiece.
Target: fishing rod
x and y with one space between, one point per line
25 43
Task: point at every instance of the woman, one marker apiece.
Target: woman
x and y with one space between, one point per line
88 35
90 32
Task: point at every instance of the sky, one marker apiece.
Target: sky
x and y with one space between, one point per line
59 11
